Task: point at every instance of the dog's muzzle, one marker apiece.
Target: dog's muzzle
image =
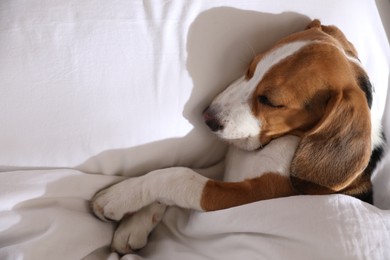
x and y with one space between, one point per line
211 120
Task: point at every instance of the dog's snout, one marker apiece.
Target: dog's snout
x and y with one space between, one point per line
214 125
211 120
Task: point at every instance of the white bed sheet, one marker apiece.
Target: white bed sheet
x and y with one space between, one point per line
117 87
44 215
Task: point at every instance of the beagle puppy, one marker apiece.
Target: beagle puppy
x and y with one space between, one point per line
299 123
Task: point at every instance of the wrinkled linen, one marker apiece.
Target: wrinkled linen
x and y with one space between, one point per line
45 215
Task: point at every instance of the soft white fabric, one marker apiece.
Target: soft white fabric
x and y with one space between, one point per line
44 215
117 87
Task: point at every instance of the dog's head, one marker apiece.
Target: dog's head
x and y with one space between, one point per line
309 85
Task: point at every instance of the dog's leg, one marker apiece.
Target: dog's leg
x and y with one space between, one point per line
185 188
133 231
172 186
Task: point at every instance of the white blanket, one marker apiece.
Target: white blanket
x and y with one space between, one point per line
94 89
44 215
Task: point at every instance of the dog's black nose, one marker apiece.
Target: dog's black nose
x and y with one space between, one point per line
214 125
211 121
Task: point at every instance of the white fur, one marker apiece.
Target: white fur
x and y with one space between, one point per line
172 186
241 127
275 157
376 131
233 106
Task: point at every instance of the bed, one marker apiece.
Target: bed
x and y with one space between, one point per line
95 91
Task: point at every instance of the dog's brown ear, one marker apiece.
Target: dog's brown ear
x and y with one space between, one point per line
314 24
336 33
332 154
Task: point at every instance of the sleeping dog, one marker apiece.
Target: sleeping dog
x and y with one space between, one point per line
298 122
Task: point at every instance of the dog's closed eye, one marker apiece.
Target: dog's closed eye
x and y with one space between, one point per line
265 101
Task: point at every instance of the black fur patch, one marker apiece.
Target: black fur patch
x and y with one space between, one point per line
376 156
366 197
365 85
377 153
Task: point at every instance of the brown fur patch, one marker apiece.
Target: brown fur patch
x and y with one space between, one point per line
221 195
302 84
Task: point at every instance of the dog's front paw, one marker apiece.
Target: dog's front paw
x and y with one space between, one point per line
105 205
132 233
122 198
